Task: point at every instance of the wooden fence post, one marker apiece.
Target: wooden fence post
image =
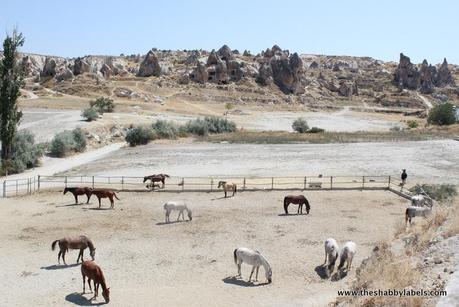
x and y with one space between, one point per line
388 184
38 183
92 181
122 182
16 187
65 181
183 184
4 188
272 183
304 188
331 182
363 182
211 184
243 184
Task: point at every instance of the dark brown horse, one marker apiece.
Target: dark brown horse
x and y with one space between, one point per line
94 272
105 193
81 243
156 178
299 200
79 191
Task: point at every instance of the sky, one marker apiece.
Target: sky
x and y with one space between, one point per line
380 29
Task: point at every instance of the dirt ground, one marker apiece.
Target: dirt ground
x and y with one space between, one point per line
148 262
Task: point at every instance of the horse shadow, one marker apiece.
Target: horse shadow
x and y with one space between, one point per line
59 266
78 299
340 274
72 205
97 208
223 197
234 280
169 223
291 214
322 271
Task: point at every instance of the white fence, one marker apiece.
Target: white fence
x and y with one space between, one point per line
31 185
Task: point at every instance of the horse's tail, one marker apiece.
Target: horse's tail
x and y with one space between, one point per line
306 202
235 256
114 194
53 245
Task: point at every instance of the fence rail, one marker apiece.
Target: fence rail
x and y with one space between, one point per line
31 185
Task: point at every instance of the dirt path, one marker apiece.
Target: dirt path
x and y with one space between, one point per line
425 101
149 263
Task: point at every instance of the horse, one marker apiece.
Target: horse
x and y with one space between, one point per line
253 258
155 178
172 205
413 211
421 200
347 254
81 243
299 200
332 252
79 191
91 270
105 193
227 187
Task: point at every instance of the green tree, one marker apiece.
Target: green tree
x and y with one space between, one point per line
442 115
11 80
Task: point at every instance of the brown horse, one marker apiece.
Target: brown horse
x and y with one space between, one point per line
156 178
105 193
299 200
81 243
79 191
227 187
94 272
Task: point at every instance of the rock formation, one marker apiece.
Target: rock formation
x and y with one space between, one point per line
406 74
225 53
199 74
49 69
444 76
65 74
427 75
80 66
287 73
149 66
106 71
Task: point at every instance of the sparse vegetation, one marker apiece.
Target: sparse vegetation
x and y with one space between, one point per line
438 192
140 135
300 125
90 114
165 129
103 105
209 125
442 115
412 124
67 141
316 130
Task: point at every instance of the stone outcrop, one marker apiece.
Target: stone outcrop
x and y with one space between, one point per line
427 75
32 65
106 71
444 76
286 71
80 66
65 74
225 53
199 74
265 74
49 69
149 66
406 74
347 90
235 71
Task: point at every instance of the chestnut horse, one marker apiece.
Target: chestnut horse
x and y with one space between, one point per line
156 178
79 191
227 187
299 200
94 272
81 243
105 193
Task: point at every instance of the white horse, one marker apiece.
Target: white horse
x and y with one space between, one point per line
332 252
347 254
413 211
253 258
174 206
421 200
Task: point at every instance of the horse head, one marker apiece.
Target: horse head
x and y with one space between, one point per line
106 295
166 175
221 183
66 190
269 275
93 254
145 179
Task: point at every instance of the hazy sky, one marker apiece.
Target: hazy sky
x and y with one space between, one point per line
380 29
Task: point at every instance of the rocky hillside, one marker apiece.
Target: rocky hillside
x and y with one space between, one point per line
273 76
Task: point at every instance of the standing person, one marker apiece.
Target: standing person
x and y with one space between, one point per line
404 176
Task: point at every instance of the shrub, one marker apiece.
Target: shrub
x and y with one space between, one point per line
67 141
412 124
316 130
103 105
208 125
300 125
90 114
395 129
79 138
165 129
442 115
25 153
140 135
438 192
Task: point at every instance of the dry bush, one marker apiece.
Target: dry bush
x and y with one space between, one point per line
452 228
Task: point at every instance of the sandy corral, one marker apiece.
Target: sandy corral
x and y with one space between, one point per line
149 263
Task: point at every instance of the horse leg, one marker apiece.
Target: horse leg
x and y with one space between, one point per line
225 193
84 282
59 256
112 202
89 283
239 269
79 255
256 274
98 197
88 196
251 273
63 256
76 198
325 261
